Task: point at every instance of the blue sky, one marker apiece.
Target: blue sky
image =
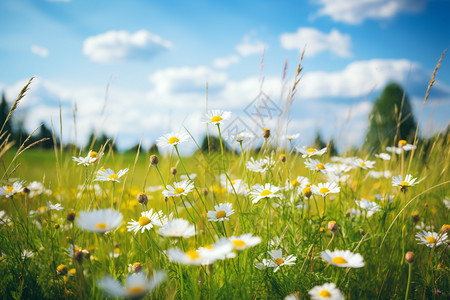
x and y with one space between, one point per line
157 57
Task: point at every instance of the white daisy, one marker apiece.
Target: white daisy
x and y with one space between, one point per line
447 203
326 188
259 192
191 257
244 241
338 169
300 182
56 206
220 250
172 139
11 190
308 152
383 156
423 226
237 185
343 259
178 189
389 198
240 137
4 217
221 212
431 239
402 146
99 220
316 165
216 116
291 137
177 228
110 175
327 291
381 174
276 261
91 158
137 285
147 220
370 206
404 184
260 166
364 164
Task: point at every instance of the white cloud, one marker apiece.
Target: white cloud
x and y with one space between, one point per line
225 62
249 47
40 51
317 41
356 11
358 79
120 45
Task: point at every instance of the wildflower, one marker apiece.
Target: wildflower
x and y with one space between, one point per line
311 151
383 156
370 206
172 139
402 146
136 267
266 133
260 166
327 291
178 189
217 251
56 206
445 228
447 203
338 169
177 228
307 192
221 212
61 270
137 285
37 188
316 165
109 175
11 190
299 182
244 241
377 175
404 184
259 192
364 164
91 158
147 220
236 185
4 217
431 239
344 259
101 220
332 226
216 117
415 217
282 157
191 176
154 160
191 257
240 137
142 198
291 137
276 261
389 198
326 188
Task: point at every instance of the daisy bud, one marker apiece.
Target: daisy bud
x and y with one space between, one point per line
426 204
266 133
42 248
26 190
332 226
142 198
154 160
445 228
409 257
71 216
205 191
166 199
78 255
307 192
415 217
173 170
116 244
61 270
136 268
283 157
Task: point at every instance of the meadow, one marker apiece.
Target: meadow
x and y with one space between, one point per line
281 222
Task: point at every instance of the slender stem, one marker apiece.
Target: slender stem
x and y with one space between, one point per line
409 280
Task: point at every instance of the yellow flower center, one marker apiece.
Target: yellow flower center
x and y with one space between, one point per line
221 214
325 294
266 193
233 182
9 189
238 243
295 182
311 150
144 221
192 254
402 143
178 190
42 208
93 154
404 183
306 191
116 250
208 247
173 140
431 240
279 261
60 268
101 225
320 166
72 271
113 176
216 119
362 164
339 260
324 190
136 290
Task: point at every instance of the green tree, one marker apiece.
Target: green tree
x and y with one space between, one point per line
390 119
214 144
